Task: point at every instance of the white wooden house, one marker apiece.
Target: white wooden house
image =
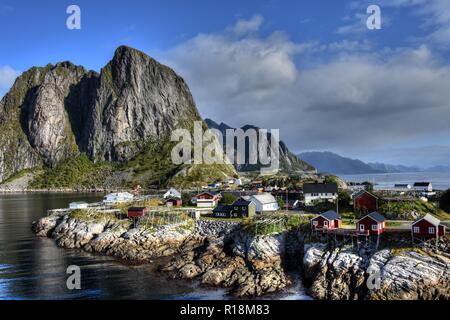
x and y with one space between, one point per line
265 202
319 192
172 193
78 205
119 197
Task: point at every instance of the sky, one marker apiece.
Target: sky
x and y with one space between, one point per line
309 68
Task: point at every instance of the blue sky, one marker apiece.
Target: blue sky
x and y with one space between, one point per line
310 68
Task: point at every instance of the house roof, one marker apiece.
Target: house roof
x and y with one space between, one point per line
331 215
433 220
173 191
223 209
360 193
120 194
375 216
207 192
242 202
264 198
320 188
137 209
422 184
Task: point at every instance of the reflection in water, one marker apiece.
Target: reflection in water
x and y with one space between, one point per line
35 268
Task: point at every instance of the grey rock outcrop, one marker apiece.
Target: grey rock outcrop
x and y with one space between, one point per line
389 274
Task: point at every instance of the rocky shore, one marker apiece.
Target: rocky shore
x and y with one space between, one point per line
221 254
388 274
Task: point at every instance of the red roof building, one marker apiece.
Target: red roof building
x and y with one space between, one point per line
207 200
373 223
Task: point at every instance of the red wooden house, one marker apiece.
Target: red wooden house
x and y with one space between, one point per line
174 202
207 200
329 220
365 201
428 227
137 212
373 223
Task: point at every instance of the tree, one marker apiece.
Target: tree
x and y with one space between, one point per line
281 203
444 202
228 199
368 186
186 198
344 202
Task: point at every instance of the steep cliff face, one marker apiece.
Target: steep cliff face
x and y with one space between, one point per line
55 113
138 99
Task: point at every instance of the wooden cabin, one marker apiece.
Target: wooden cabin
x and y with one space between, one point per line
428 227
224 212
207 200
326 221
365 201
137 212
244 208
373 223
174 202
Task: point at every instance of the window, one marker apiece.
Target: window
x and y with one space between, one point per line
416 230
431 230
374 227
325 223
315 223
361 227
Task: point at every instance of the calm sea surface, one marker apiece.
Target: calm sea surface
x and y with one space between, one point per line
35 268
440 181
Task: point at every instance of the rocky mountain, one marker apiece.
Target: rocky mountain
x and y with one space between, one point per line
333 163
121 116
288 161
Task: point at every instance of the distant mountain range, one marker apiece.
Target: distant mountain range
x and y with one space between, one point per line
289 162
329 162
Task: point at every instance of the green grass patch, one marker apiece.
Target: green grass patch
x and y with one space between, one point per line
78 172
87 215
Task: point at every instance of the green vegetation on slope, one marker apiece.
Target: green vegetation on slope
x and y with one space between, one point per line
398 209
78 172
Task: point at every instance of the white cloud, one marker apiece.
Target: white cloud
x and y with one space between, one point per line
244 27
353 100
7 77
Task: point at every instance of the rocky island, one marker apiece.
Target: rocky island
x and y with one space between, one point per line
228 254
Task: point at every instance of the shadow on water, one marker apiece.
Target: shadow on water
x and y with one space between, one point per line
35 268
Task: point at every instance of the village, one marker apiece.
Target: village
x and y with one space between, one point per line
353 213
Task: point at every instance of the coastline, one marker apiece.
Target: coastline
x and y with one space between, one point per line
220 254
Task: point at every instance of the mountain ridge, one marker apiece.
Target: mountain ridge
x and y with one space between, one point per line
330 162
289 163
